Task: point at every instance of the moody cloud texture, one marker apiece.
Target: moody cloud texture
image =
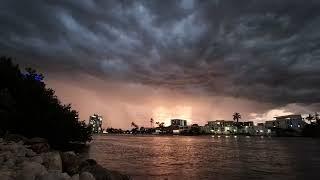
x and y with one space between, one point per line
266 51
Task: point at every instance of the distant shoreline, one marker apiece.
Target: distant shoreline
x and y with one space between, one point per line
204 135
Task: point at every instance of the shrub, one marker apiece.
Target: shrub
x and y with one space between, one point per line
28 108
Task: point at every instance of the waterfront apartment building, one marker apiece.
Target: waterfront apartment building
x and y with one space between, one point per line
220 123
246 127
221 127
179 122
178 126
270 124
260 129
246 124
286 122
96 122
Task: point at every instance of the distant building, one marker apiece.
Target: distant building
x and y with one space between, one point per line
178 122
221 127
178 126
246 127
270 124
260 129
260 124
206 129
220 123
286 122
290 121
96 122
246 123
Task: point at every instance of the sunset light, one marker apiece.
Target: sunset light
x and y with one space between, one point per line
163 114
159 89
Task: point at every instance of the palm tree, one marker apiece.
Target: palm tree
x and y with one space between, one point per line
134 125
316 116
161 125
309 118
236 117
151 122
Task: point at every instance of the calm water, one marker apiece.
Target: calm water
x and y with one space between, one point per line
182 157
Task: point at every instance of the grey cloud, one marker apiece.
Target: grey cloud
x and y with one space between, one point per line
264 50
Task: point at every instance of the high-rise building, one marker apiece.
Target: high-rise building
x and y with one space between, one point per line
96 122
178 122
178 126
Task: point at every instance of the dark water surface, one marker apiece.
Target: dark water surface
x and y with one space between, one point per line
206 157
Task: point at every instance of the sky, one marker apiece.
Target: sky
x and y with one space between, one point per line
197 60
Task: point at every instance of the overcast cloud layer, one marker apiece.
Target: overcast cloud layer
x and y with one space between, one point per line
264 51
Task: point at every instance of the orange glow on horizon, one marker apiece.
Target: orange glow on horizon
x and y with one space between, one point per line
164 114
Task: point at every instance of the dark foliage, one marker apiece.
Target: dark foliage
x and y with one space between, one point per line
312 130
27 107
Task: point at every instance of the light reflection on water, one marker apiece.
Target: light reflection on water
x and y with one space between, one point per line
206 157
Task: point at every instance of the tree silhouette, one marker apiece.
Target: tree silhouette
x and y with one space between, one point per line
151 122
310 118
27 107
236 116
316 117
161 125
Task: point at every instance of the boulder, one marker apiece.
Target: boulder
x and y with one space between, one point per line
6 174
1 160
15 148
75 177
37 159
31 170
8 159
114 175
70 162
52 161
91 166
10 163
37 140
99 172
21 151
20 160
20 143
40 147
30 153
15 138
5 177
54 176
86 176
6 155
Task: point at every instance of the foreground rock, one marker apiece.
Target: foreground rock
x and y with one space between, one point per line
32 159
31 170
52 161
70 162
99 172
38 145
86 176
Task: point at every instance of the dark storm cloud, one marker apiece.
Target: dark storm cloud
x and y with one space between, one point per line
264 50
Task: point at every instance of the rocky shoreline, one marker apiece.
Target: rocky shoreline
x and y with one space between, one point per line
33 159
